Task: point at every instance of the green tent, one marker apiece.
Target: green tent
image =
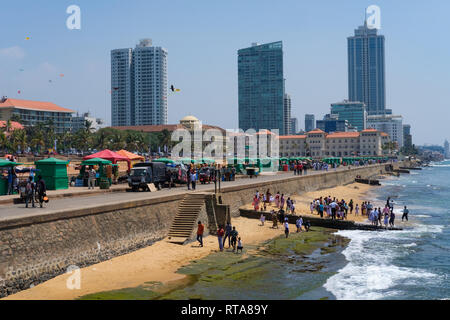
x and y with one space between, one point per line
165 160
7 163
4 182
54 173
96 162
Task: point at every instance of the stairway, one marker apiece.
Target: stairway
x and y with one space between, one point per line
186 218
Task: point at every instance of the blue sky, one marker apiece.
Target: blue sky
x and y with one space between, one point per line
203 36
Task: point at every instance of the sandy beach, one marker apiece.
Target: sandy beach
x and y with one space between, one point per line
160 261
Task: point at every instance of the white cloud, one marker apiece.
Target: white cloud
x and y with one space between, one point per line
12 52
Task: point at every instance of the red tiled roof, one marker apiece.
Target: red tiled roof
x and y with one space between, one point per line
384 134
293 137
370 130
317 131
33 105
343 135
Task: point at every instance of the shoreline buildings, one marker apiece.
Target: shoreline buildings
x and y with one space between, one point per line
32 113
261 88
319 144
139 85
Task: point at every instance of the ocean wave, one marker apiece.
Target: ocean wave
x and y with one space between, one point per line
371 272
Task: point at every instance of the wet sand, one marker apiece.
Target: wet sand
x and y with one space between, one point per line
160 261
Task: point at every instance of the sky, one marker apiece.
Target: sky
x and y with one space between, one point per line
202 38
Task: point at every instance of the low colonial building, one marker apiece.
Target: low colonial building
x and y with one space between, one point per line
32 113
319 144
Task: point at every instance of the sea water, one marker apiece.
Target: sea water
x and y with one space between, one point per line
410 264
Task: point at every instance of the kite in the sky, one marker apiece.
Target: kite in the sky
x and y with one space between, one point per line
50 81
116 88
61 75
21 70
27 38
18 91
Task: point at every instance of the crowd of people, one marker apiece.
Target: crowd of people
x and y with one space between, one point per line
325 207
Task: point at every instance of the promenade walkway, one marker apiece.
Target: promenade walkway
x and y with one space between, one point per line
16 211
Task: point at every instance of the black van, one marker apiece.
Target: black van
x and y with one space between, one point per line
147 172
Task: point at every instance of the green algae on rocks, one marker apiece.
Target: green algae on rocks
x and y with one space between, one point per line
281 268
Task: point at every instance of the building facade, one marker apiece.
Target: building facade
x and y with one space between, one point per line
287 113
310 122
366 69
407 137
32 113
261 87
79 122
331 123
139 85
391 124
319 144
354 112
294 125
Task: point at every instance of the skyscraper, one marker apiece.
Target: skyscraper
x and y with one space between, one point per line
139 85
354 112
366 69
294 125
310 122
261 87
287 114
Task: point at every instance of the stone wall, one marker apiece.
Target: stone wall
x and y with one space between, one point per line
37 248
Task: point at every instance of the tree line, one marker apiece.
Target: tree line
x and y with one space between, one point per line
42 137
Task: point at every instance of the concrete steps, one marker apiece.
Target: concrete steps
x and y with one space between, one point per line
186 218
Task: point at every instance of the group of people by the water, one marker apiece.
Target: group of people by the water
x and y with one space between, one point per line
229 232
262 200
326 207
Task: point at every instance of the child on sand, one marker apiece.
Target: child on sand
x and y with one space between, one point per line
262 218
239 246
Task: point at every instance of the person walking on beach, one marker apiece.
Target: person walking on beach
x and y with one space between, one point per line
286 229
220 234
350 205
200 230
299 223
228 229
262 219
274 220
386 218
405 214
357 210
234 235
311 207
380 216
392 219
333 206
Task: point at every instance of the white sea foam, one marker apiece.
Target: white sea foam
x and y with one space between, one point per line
370 272
410 245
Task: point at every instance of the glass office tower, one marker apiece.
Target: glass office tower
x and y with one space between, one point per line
366 69
352 111
261 87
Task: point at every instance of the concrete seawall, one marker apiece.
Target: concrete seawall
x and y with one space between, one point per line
36 248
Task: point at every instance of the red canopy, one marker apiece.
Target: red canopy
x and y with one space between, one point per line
109 155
